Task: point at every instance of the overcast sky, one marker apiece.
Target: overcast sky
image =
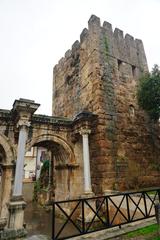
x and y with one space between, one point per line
35 34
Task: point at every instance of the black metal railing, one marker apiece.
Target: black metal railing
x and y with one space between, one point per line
85 215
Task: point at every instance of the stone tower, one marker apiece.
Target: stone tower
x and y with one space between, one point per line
100 74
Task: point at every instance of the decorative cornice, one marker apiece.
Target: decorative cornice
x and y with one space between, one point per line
5 114
84 115
37 118
25 105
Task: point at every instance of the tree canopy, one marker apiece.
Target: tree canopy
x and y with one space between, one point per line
149 93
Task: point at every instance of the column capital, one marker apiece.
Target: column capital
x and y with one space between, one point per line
85 131
23 122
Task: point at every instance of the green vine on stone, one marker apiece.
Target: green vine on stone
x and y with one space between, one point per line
106 47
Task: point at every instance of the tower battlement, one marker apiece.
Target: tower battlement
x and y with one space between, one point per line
118 45
99 46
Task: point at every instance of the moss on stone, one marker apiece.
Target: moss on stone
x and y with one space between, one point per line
106 48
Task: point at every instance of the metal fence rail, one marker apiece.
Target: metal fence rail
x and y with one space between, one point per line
85 215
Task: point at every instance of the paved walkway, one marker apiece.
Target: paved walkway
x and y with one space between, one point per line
104 234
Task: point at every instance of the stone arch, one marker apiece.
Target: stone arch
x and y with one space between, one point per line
56 139
63 173
7 156
8 149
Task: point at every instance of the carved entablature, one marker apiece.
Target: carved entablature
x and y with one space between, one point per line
53 122
23 109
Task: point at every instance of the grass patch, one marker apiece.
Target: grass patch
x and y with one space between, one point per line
156 238
144 231
151 193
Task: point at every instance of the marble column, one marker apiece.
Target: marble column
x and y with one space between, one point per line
86 161
23 110
18 182
17 205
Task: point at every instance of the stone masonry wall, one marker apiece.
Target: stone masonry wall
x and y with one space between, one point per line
100 74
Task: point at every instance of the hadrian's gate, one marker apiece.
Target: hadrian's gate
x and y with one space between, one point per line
61 136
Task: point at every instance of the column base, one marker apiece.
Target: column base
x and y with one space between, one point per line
16 214
8 234
17 198
3 223
110 192
88 213
88 194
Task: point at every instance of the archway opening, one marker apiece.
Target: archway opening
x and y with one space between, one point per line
2 161
49 177
7 157
2 155
44 163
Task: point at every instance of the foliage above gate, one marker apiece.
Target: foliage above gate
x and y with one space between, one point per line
149 93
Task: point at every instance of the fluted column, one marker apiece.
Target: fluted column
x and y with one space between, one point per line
23 133
86 160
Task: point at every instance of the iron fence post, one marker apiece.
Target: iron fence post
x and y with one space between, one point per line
157 213
128 212
145 204
83 217
158 195
107 212
53 220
